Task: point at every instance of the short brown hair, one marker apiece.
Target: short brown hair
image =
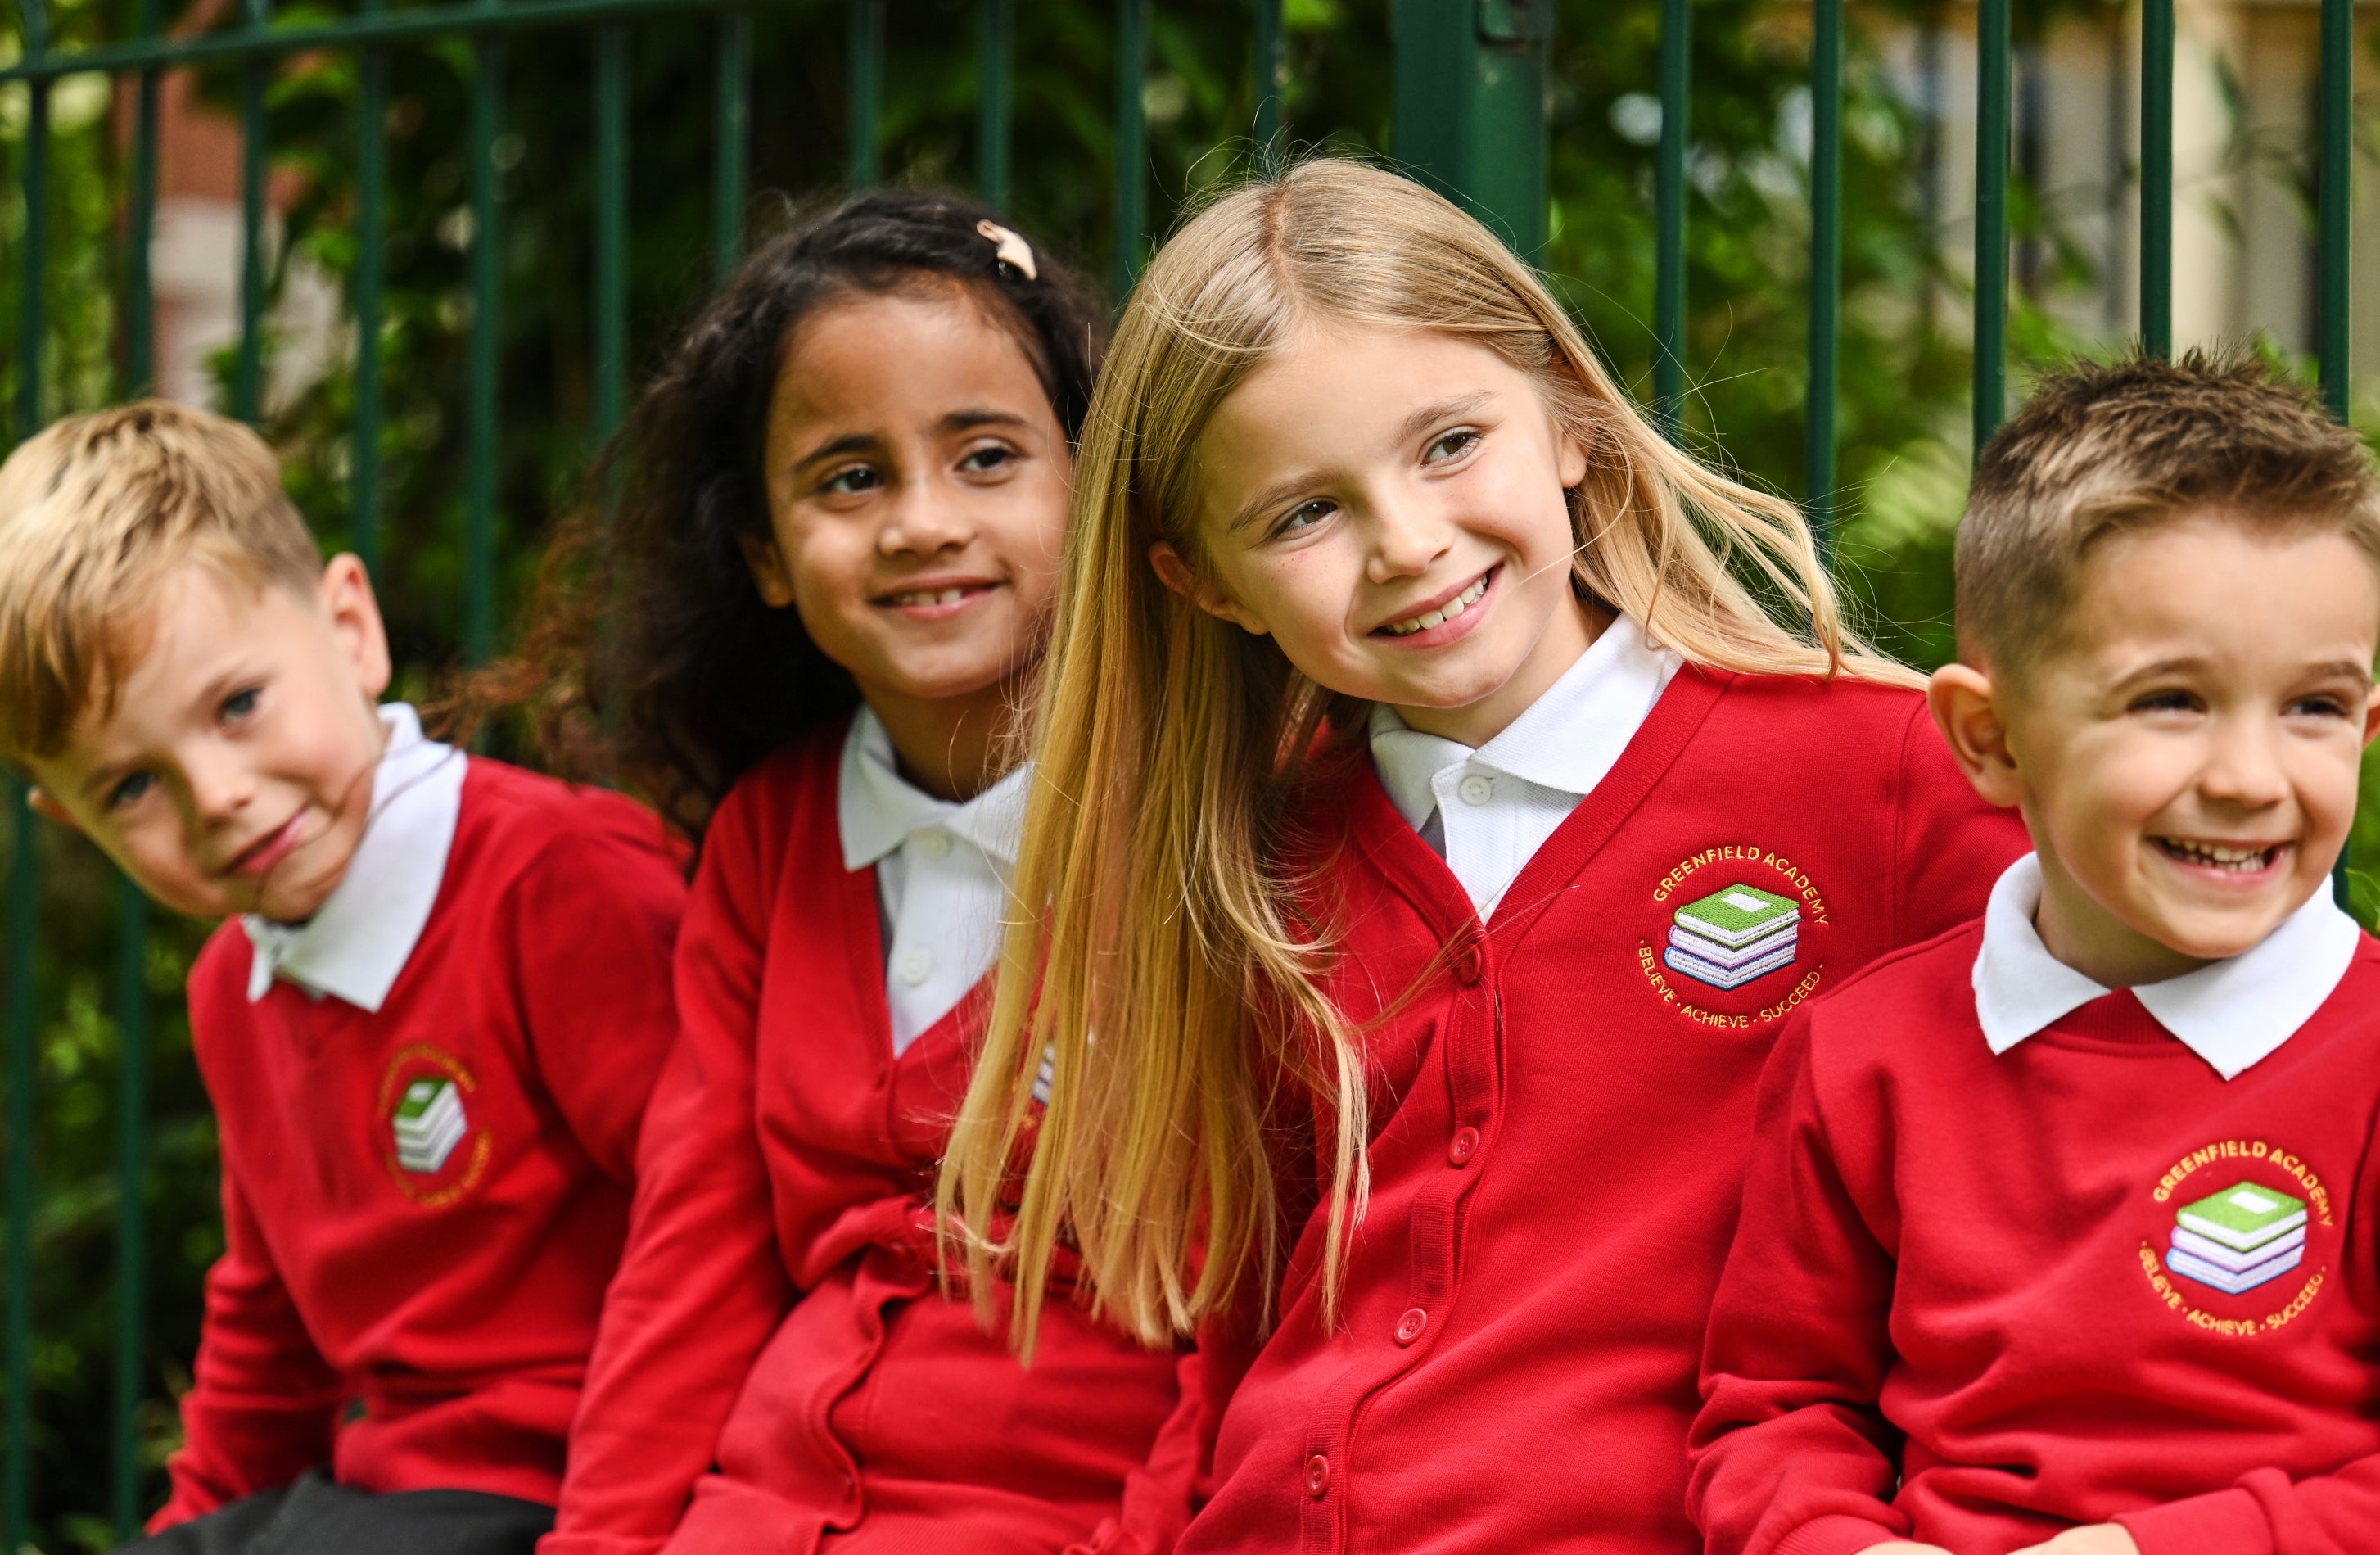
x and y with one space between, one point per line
94 512
2101 448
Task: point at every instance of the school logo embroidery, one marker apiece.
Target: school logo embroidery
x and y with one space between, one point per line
431 1145
2223 1250
1739 955
1732 936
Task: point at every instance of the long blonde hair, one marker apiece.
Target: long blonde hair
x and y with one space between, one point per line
1156 980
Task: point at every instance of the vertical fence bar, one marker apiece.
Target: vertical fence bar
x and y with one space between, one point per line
2157 176
1670 218
1991 217
611 227
1272 77
1826 266
867 89
132 1201
731 131
247 381
996 43
1131 145
484 358
372 202
2334 194
33 259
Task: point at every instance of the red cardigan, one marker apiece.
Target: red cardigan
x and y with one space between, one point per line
416 1329
776 1313
1958 1271
1561 1117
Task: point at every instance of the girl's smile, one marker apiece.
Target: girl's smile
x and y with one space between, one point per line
1445 619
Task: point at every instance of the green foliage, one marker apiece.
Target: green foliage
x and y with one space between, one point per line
1902 414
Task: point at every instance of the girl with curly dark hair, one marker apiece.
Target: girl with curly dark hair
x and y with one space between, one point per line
804 630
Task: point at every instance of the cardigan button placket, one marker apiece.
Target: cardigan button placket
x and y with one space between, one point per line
1462 1147
1317 1476
1410 1326
1468 963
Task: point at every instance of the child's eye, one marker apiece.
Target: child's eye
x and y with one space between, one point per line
129 788
1303 518
1450 446
2322 704
2166 702
240 704
852 481
981 461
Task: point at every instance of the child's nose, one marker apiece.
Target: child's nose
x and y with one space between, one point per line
219 785
1406 538
923 521
2244 765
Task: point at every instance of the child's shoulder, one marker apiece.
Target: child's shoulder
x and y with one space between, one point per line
1848 706
1886 1009
767 800
513 818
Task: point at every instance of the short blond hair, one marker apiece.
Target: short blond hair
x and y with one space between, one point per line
95 511
2107 448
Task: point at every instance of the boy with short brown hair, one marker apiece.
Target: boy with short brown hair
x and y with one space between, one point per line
2060 1234
429 1035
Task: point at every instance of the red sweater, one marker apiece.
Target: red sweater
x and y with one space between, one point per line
1954 1272
1561 1117
429 1329
776 1313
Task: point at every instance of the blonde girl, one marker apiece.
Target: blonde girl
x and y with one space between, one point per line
1443 788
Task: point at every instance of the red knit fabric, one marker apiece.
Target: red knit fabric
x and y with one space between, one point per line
1974 1253
429 1329
777 1314
1559 1121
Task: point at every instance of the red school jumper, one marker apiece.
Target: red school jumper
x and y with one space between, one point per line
1977 1251
413 1329
777 1312
1560 1116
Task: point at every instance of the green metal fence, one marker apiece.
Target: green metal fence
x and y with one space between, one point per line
1471 87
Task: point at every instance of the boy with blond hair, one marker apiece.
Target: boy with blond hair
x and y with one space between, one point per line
2062 1232
427 1029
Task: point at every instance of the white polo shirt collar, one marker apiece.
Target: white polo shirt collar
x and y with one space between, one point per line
941 874
2232 1013
1488 810
357 943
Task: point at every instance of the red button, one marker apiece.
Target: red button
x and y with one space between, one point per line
1460 1150
1317 1476
1467 963
1409 1327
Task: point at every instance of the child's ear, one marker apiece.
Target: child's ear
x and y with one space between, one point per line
1965 710
770 574
2371 715
1184 580
354 613
45 806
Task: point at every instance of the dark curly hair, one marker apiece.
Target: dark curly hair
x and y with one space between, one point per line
651 660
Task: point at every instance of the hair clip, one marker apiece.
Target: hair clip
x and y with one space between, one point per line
1014 252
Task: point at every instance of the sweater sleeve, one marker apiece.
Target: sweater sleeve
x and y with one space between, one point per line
1790 1455
700 1287
2265 1514
1161 1495
1948 846
264 1404
594 919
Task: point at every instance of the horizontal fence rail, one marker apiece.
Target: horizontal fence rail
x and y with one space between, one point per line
1472 85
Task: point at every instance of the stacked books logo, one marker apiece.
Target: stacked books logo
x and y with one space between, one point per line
1732 936
2237 1239
429 1124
